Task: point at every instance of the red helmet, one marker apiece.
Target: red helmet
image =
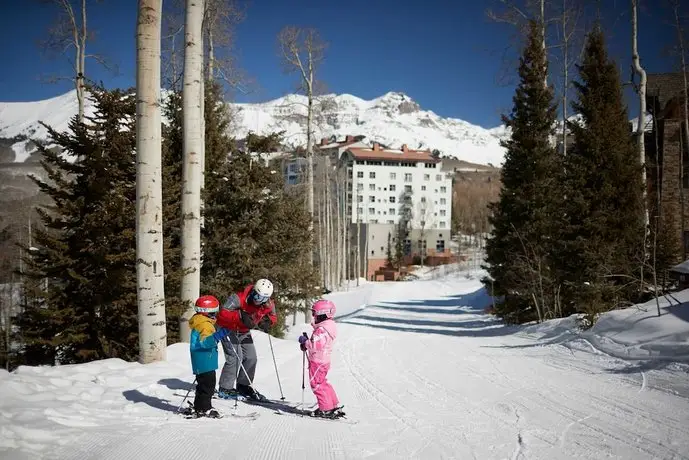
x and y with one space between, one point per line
207 304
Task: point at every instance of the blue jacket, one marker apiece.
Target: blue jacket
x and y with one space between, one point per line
202 345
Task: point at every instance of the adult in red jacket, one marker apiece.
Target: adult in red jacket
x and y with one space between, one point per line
249 309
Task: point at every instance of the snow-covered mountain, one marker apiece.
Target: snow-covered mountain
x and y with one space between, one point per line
392 119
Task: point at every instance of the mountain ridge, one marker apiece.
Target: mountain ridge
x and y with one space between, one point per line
392 119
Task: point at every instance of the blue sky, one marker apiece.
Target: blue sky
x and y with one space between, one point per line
445 54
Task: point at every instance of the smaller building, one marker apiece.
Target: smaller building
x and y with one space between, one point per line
680 273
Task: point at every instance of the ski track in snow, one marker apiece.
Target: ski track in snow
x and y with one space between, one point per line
427 376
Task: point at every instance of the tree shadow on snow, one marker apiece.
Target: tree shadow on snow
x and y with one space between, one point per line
481 325
473 302
458 329
136 396
176 384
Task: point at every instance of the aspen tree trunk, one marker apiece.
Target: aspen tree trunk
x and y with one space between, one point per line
203 159
192 162
565 77
149 197
641 125
339 233
321 243
683 60
211 55
328 228
358 248
545 49
81 62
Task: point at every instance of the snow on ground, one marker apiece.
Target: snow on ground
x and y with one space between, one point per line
424 371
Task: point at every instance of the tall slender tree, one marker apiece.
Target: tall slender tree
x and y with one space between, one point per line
149 183
193 162
524 219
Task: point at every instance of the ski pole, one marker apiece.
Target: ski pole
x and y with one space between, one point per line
277 374
241 365
186 395
303 370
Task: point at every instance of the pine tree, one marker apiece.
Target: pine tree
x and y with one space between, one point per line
83 304
254 229
525 219
603 233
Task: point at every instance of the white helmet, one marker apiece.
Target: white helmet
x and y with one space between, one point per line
261 291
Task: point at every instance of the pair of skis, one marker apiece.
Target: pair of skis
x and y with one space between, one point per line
190 413
287 408
279 407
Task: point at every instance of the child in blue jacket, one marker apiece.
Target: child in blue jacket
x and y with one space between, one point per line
203 348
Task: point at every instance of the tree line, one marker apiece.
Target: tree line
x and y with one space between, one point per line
152 200
574 230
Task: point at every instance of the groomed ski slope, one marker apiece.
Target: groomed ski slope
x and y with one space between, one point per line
422 369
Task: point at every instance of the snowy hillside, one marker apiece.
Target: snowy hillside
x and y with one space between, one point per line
392 119
422 372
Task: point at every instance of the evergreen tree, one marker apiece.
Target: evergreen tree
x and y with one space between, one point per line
253 229
603 233
388 253
525 219
83 304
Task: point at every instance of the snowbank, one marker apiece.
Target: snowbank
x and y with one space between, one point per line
635 333
44 407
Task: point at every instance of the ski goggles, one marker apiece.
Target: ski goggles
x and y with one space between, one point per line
258 299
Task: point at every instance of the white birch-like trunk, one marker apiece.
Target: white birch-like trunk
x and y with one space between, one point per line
211 55
81 62
358 248
323 236
683 61
328 232
192 162
641 125
339 233
545 49
203 156
565 76
149 196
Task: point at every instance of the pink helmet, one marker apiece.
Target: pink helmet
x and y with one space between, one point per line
323 307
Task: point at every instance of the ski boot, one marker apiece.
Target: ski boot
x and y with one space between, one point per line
210 413
190 412
249 393
332 413
224 393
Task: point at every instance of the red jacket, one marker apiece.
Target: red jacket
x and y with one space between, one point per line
229 317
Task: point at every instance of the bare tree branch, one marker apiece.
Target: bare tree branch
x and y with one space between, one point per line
68 36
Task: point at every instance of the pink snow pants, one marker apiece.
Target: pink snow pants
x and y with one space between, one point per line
324 392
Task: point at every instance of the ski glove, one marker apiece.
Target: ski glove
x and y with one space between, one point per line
265 324
247 319
220 334
302 341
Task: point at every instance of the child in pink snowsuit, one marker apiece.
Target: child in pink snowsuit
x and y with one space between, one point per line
318 348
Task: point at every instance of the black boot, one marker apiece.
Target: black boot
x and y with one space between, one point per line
249 393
